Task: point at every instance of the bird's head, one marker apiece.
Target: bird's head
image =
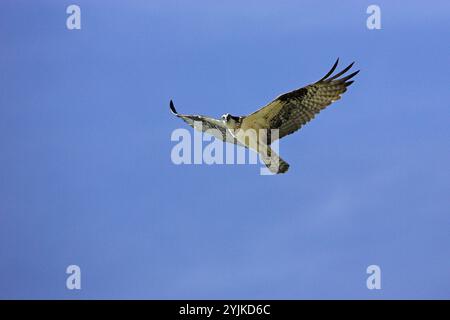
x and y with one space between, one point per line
230 121
226 117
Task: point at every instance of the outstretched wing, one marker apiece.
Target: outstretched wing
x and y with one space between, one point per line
290 111
204 123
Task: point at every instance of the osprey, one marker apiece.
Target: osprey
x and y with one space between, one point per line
286 114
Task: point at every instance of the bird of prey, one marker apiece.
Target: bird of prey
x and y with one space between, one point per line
286 114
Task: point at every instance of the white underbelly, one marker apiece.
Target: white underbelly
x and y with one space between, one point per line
250 139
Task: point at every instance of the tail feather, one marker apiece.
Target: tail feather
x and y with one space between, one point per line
273 161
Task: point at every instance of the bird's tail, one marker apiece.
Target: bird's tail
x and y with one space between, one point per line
272 160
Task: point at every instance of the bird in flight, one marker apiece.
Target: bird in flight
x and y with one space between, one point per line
284 115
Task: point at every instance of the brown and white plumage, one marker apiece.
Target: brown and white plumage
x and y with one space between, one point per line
287 113
210 125
290 111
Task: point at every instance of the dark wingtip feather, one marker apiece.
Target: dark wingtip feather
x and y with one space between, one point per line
341 73
351 75
348 83
172 108
331 70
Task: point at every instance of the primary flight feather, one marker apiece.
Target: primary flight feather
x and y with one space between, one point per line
287 113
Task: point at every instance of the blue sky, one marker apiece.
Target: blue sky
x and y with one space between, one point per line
86 176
